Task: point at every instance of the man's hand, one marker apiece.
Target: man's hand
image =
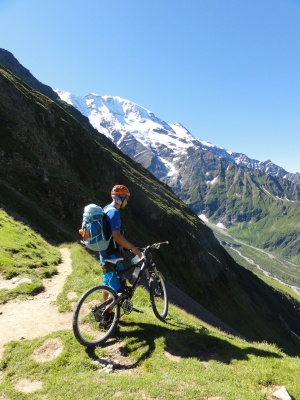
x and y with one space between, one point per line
138 252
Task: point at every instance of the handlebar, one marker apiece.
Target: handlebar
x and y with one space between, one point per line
155 246
144 250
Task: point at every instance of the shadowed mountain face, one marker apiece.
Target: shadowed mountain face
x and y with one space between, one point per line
52 165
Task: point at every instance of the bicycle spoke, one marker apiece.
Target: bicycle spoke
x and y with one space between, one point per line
94 320
158 295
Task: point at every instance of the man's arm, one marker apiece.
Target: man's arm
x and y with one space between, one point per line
119 238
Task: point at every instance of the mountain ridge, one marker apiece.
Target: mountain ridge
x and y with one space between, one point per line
99 112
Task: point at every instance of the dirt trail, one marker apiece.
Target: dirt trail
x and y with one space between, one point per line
37 316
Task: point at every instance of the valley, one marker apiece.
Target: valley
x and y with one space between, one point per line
250 257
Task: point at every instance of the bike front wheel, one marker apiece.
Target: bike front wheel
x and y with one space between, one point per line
158 295
94 320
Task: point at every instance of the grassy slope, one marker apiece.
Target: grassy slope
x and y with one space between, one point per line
260 209
183 358
24 253
275 271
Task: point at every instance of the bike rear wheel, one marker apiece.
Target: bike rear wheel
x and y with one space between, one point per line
158 295
93 323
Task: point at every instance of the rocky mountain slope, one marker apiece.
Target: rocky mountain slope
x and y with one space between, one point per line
52 165
127 123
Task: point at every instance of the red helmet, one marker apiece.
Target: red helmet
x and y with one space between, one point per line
118 190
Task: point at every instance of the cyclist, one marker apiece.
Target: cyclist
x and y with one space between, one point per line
120 195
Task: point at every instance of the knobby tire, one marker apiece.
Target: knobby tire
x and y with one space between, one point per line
89 313
158 295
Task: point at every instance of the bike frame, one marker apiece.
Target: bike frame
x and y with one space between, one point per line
146 263
129 294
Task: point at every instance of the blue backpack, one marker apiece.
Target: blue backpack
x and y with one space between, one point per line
93 228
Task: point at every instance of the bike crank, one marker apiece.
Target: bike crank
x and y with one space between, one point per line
127 306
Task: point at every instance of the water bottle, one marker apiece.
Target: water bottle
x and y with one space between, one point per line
135 273
136 270
135 260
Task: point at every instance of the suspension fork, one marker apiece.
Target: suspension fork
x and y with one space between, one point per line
153 270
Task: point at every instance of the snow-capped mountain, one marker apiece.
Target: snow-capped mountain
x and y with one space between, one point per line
160 146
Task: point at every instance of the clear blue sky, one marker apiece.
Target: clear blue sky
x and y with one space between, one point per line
228 70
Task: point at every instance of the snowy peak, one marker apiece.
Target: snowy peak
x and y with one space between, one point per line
134 128
109 114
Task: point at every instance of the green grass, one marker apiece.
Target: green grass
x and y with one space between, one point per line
183 358
25 254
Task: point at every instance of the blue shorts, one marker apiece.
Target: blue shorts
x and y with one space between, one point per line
111 278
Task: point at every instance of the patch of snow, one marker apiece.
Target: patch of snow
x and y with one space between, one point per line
212 182
203 217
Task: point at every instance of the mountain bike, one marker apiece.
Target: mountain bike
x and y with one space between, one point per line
97 313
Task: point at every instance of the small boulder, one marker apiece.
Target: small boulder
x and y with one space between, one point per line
282 394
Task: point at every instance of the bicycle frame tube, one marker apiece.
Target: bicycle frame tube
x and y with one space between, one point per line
125 295
118 299
133 287
144 267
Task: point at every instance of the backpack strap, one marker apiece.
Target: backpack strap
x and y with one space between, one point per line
108 208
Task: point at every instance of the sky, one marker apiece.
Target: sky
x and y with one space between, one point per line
227 70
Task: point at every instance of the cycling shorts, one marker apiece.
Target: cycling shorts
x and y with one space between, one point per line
110 278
